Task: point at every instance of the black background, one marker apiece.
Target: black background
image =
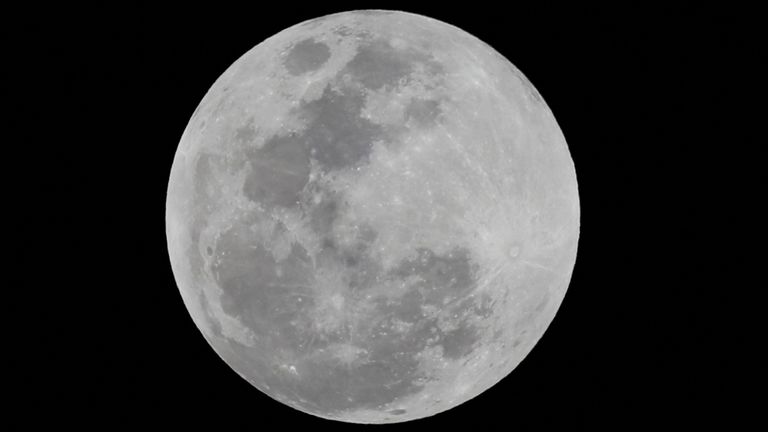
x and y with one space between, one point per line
653 104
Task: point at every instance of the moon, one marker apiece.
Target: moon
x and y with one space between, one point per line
372 216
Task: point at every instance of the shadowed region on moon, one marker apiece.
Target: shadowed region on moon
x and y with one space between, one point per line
363 225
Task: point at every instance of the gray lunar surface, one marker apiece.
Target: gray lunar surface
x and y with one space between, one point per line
372 216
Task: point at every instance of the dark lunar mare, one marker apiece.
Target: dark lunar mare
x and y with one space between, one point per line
337 136
378 64
443 282
306 56
260 291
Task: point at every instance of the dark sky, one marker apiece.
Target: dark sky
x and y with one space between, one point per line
655 107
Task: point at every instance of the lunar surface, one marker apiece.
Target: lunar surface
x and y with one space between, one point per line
372 216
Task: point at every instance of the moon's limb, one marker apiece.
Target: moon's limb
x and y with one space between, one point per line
372 216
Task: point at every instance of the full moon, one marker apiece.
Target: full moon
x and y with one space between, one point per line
372 216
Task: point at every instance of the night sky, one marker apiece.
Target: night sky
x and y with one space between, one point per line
654 105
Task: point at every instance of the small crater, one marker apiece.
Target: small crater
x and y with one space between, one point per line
209 251
398 411
305 56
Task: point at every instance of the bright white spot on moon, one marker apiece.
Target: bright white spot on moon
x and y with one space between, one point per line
372 216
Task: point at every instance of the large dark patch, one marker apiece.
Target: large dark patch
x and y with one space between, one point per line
279 172
458 342
253 291
337 136
306 56
377 64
